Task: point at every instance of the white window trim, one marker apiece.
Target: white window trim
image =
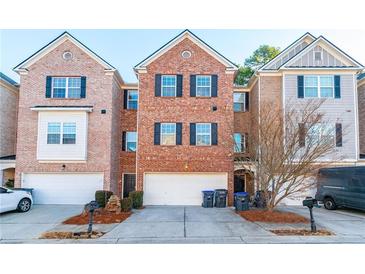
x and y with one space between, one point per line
132 90
162 85
196 85
169 134
314 55
244 101
319 86
203 134
126 141
61 132
66 91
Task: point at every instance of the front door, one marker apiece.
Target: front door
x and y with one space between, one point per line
129 184
239 183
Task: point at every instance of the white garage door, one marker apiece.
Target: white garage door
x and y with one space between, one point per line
180 188
70 188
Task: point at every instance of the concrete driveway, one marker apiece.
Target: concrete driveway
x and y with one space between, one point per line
29 225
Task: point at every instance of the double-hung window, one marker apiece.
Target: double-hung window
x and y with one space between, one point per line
319 86
239 102
168 134
319 132
168 85
66 87
239 143
132 102
66 130
131 141
203 134
203 85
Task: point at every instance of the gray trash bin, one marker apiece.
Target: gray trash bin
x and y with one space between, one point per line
220 197
208 198
241 201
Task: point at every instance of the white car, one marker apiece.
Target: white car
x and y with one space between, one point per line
20 200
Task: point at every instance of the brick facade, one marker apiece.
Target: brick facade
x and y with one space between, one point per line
102 92
185 109
361 100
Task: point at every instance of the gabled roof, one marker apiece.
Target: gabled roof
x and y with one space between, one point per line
361 76
177 39
56 42
305 36
338 53
7 79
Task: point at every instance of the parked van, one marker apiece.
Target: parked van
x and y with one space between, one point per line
341 187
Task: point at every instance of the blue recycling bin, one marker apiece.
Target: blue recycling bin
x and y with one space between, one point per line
238 194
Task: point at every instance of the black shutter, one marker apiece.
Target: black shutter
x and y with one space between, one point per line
48 86
124 136
247 101
125 99
300 85
179 85
338 135
214 128
83 87
245 148
178 133
337 86
192 85
192 134
214 85
156 137
301 135
158 85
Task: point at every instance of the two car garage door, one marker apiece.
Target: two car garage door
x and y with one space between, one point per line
65 188
180 188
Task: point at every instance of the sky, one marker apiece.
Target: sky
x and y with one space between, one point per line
125 48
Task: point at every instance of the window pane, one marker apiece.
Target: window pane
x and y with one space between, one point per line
238 97
74 82
131 141
53 133
203 81
59 92
203 140
168 128
168 139
69 133
74 92
168 134
238 142
326 92
311 92
311 81
168 91
203 134
326 81
203 91
132 99
168 80
59 82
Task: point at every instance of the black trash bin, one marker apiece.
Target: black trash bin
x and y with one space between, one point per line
241 201
235 195
208 198
220 197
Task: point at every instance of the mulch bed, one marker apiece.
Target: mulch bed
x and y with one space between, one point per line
300 232
101 216
71 235
275 216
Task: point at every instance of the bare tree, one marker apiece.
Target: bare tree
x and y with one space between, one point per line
284 165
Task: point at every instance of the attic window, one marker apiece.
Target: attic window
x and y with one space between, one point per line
67 55
186 54
318 56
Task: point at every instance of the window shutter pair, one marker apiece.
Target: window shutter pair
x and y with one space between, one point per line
157 134
49 87
300 86
214 85
214 134
179 85
302 134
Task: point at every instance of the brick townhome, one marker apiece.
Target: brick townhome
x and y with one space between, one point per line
172 134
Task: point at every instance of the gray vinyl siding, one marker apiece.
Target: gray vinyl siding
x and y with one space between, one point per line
336 111
307 60
288 55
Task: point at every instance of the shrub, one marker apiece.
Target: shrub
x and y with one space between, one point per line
102 197
126 204
137 198
9 183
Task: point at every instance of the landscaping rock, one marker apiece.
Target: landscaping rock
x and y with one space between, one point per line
113 204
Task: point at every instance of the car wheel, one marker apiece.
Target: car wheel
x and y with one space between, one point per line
24 205
329 203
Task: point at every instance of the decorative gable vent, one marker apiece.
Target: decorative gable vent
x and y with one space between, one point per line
67 55
318 56
186 54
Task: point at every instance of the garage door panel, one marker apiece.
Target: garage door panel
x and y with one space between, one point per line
55 188
180 189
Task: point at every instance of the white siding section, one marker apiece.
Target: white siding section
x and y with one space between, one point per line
66 152
336 111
